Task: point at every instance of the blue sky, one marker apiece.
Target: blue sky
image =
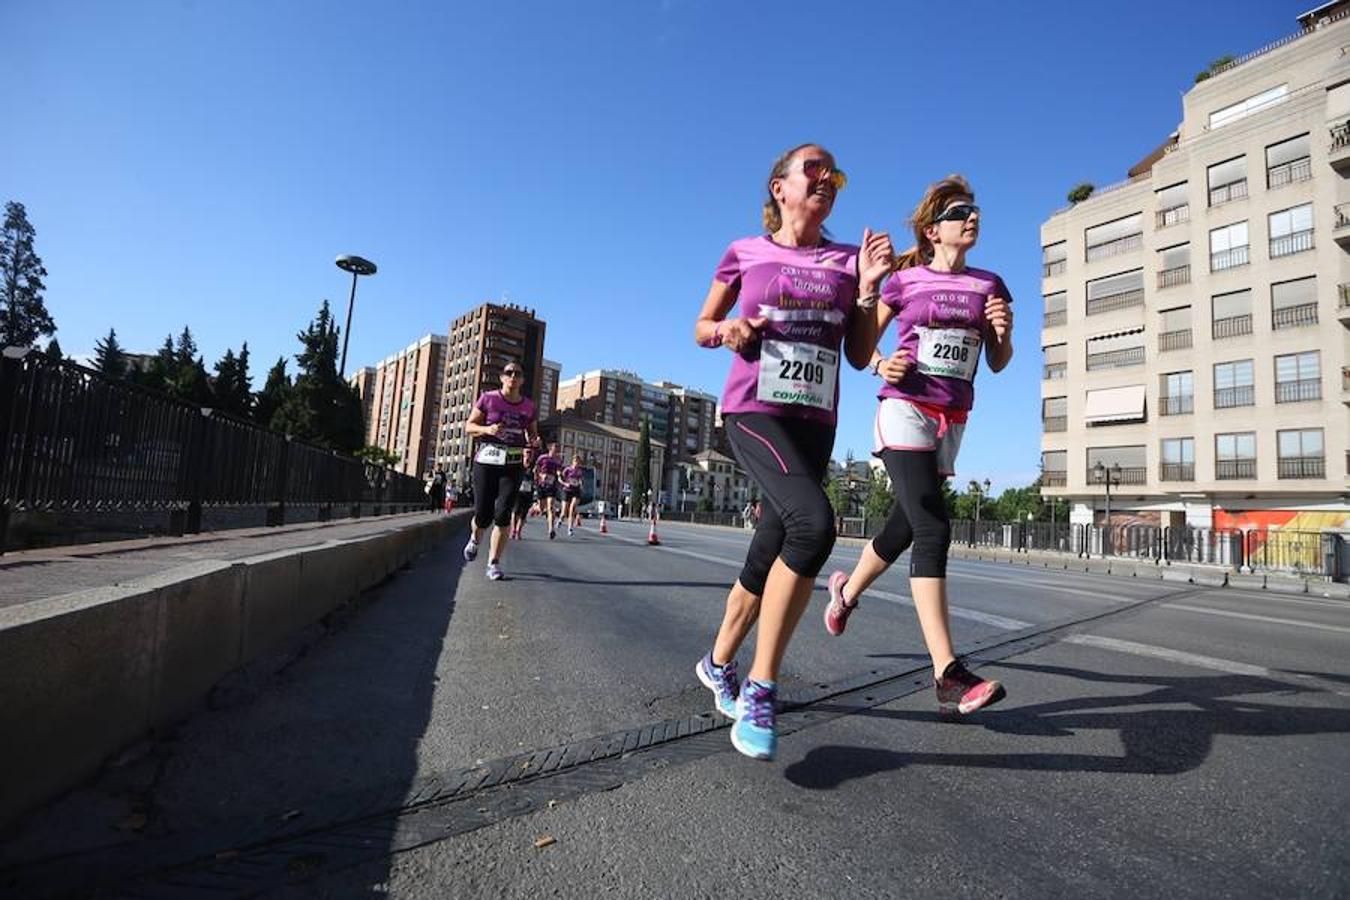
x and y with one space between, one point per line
202 163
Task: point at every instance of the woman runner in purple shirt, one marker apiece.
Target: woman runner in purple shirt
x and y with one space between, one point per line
799 298
504 423
945 313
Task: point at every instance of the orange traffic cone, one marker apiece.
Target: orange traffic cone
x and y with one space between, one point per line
604 529
652 539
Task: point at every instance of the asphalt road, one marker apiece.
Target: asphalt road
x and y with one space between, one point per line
1159 739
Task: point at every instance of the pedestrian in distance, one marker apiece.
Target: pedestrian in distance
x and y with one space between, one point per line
504 423
524 497
437 492
547 470
945 312
571 490
800 294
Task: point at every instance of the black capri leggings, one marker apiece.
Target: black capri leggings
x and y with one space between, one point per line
918 516
788 459
494 493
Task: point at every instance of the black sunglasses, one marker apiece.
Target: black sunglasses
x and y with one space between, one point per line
512 373
958 213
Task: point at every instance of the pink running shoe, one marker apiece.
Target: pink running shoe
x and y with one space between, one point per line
961 691
837 611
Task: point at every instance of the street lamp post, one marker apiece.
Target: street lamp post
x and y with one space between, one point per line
358 267
979 492
1107 477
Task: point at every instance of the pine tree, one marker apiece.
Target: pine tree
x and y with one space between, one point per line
109 358
23 314
321 407
273 395
642 465
53 351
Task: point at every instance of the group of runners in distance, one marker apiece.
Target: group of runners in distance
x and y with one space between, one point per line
802 298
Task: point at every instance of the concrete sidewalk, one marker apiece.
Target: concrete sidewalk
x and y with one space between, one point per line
51 572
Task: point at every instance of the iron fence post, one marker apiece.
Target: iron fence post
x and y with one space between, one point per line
9 389
197 460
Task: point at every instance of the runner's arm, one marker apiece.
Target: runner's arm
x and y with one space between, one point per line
998 348
475 424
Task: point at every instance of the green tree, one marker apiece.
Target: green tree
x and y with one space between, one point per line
23 313
877 504
641 480
378 456
837 493
109 358
1081 192
321 407
233 390
53 351
273 395
1213 68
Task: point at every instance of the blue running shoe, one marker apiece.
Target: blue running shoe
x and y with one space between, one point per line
723 682
754 733
470 551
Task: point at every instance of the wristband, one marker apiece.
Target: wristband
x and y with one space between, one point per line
875 366
870 301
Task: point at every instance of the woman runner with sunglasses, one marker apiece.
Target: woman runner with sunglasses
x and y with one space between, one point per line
799 297
945 313
504 423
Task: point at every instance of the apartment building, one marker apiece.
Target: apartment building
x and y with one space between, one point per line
401 399
693 415
1197 315
617 397
609 449
551 375
481 343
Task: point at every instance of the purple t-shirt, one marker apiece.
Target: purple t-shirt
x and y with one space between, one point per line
515 418
807 293
546 470
571 476
942 304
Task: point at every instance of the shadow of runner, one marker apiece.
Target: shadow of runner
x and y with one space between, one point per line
334 733
1153 741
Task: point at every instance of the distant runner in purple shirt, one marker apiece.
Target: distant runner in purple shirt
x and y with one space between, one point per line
945 314
546 472
504 423
571 485
800 294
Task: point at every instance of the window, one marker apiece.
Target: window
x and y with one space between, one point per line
1291 231
1288 162
1174 329
1228 247
1243 108
1056 309
1235 455
1234 384
1293 304
1055 414
1298 377
1301 453
1178 459
1232 314
1054 257
1056 361
1123 235
1116 350
1227 181
1131 459
1115 292
1054 468
1174 265
1176 394
1173 206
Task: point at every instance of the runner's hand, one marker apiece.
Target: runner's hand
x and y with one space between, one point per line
738 334
895 367
494 429
998 312
875 258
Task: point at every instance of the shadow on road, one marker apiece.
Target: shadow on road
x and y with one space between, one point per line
1154 741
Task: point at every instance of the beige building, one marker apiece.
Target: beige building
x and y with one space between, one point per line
609 449
482 342
708 479
617 397
693 417
401 400
1195 333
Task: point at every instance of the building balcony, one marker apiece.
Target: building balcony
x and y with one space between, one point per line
1176 215
1289 244
1226 193
1338 152
1174 276
1176 472
1300 316
1174 340
1234 469
1345 384
1114 302
1230 259
1233 326
1230 397
1178 405
1302 467
1128 475
1055 371
1116 359
1341 231
1292 172
1051 269
1299 391
1118 247
1054 479
1343 304
1055 318
1054 423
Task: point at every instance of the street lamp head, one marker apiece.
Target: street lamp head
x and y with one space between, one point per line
1115 472
987 485
355 264
1099 471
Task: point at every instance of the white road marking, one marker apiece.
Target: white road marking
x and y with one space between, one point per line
1228 613
1178 656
